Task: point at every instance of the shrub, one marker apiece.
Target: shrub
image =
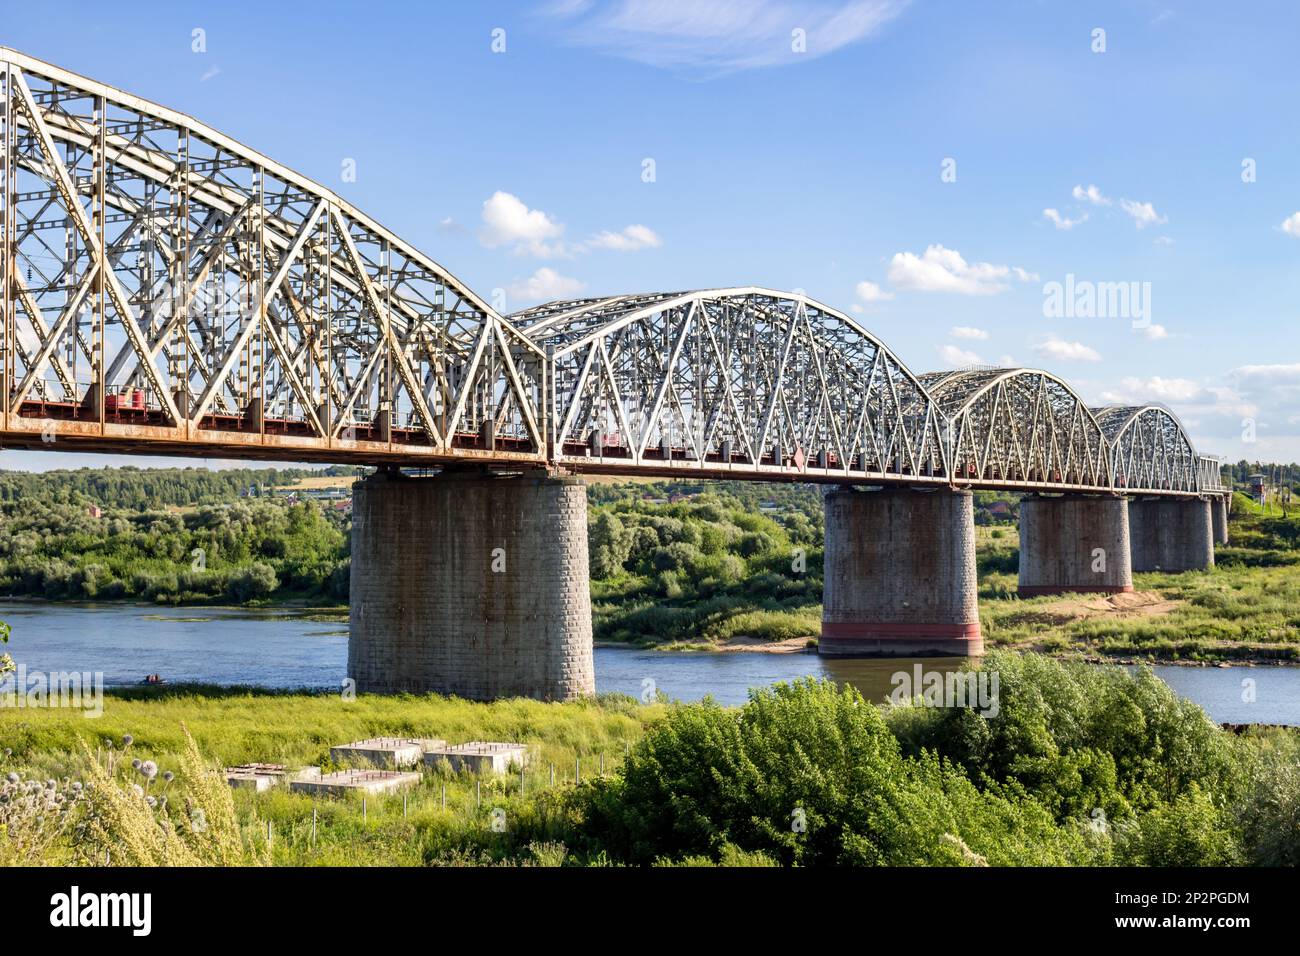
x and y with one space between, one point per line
810 774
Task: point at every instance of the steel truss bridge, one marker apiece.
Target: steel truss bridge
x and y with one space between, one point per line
167 290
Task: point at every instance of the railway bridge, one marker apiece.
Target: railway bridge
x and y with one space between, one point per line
167 290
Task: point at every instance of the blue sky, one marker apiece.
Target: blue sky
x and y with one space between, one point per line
929 167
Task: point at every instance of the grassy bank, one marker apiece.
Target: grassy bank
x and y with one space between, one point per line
1079 766
237 726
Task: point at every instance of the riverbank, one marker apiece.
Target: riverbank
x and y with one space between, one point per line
605 778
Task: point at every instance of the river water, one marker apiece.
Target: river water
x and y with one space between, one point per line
282 649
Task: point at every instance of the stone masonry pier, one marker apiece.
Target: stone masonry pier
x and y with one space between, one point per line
1074 543
900 574
1171 534
471 585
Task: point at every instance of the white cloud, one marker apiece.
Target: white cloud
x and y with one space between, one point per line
1061 350
1291 225
1144 214
1154 332
944 270
507 221
1156 389
721 36
954 357
629 240
1163 241
545 284
871 292
1269 374
1089 194
1063 222
967 332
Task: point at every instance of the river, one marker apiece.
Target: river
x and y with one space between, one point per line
283 649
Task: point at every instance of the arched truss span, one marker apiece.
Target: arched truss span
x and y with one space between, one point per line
742 380
171 284
1150 450
166 288
1019 427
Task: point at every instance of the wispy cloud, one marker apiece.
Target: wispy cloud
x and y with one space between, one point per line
721 36
1089 194
968 332
545 284
628 240
954 357
945 270
1061 350
1144 214
509 222
869 292
1063 222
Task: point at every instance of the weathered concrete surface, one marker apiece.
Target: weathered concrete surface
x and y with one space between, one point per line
354 781
471 585
1219 514
384 752
1171 534
479 756
1074 543
899 574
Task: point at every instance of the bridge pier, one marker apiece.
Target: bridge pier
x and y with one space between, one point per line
1171 534
1219 514
1074 543
470 585
900 574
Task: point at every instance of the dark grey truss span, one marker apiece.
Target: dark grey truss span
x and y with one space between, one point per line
167 289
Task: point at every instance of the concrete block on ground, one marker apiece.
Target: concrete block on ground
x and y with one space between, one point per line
479 756
356 781
385 752
255 776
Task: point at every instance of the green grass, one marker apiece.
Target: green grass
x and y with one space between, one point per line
297 729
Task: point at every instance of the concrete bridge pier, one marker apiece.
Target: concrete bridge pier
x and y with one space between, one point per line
472 585
1171 534
1219 514
1074 543
900 574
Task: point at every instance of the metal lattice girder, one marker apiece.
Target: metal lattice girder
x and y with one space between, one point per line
166 288
168 283
1019 427
742 380
1150 451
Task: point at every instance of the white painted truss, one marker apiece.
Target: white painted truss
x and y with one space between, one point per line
167 289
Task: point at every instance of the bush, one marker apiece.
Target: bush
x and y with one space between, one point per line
1079 737
809 774
1191 831
1267 813
253 583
